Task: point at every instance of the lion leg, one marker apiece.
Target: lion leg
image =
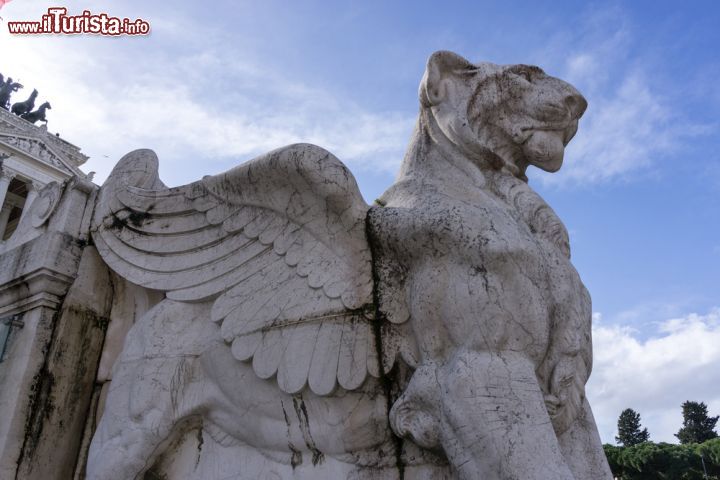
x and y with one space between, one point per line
156 385
490 417
140 415
582 448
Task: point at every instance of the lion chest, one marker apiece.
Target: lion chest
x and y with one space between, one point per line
477 274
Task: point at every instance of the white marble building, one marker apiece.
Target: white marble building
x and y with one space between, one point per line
30 158
43 351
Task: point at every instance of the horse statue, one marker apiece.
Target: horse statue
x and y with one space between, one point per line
38 115
6 90
21 108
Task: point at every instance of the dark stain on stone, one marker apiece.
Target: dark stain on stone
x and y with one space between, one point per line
387 379
302 415
137 218
128 217
296 458
40 404
200 440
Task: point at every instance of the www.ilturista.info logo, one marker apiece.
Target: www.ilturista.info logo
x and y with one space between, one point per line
58 21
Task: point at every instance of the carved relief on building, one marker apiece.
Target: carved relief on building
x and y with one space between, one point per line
34 148
39 143
8 127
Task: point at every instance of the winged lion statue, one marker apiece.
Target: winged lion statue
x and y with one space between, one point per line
440 333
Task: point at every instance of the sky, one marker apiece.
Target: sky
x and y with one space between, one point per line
217 83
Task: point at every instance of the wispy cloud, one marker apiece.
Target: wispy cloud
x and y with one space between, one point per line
199 95
649 315
623 133
655 376
202 106
632 122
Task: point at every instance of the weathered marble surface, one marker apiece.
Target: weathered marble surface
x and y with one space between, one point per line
55 288
442 333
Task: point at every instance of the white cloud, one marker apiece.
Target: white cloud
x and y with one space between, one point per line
621 133
203 107
632 120
651 313
655 376
198 95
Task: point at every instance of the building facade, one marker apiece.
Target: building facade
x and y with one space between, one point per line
50 333
30 158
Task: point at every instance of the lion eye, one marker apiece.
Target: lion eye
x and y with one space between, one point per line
525 74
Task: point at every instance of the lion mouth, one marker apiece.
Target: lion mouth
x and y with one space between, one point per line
565 130
570 132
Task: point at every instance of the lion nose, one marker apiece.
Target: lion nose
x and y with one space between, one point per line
576 104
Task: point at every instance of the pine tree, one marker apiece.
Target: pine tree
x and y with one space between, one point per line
629 432
697 426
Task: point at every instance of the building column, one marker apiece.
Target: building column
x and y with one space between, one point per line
33 189
4 217
5 178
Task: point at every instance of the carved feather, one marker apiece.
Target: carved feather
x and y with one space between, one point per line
278 244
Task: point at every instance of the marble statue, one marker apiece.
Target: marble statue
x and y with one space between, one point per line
21 108
6 90
440 333
37 115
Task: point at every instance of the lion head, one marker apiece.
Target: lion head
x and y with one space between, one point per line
511 116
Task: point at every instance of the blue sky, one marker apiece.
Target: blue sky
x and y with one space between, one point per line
218 83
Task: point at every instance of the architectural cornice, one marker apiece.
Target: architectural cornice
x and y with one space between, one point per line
37 142
41 269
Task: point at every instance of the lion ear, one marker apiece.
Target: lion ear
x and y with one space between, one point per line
439 66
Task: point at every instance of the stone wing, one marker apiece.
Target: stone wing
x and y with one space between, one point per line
277 244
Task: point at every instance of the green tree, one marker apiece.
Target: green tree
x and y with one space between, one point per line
614 457
664 461
697 426
629 432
